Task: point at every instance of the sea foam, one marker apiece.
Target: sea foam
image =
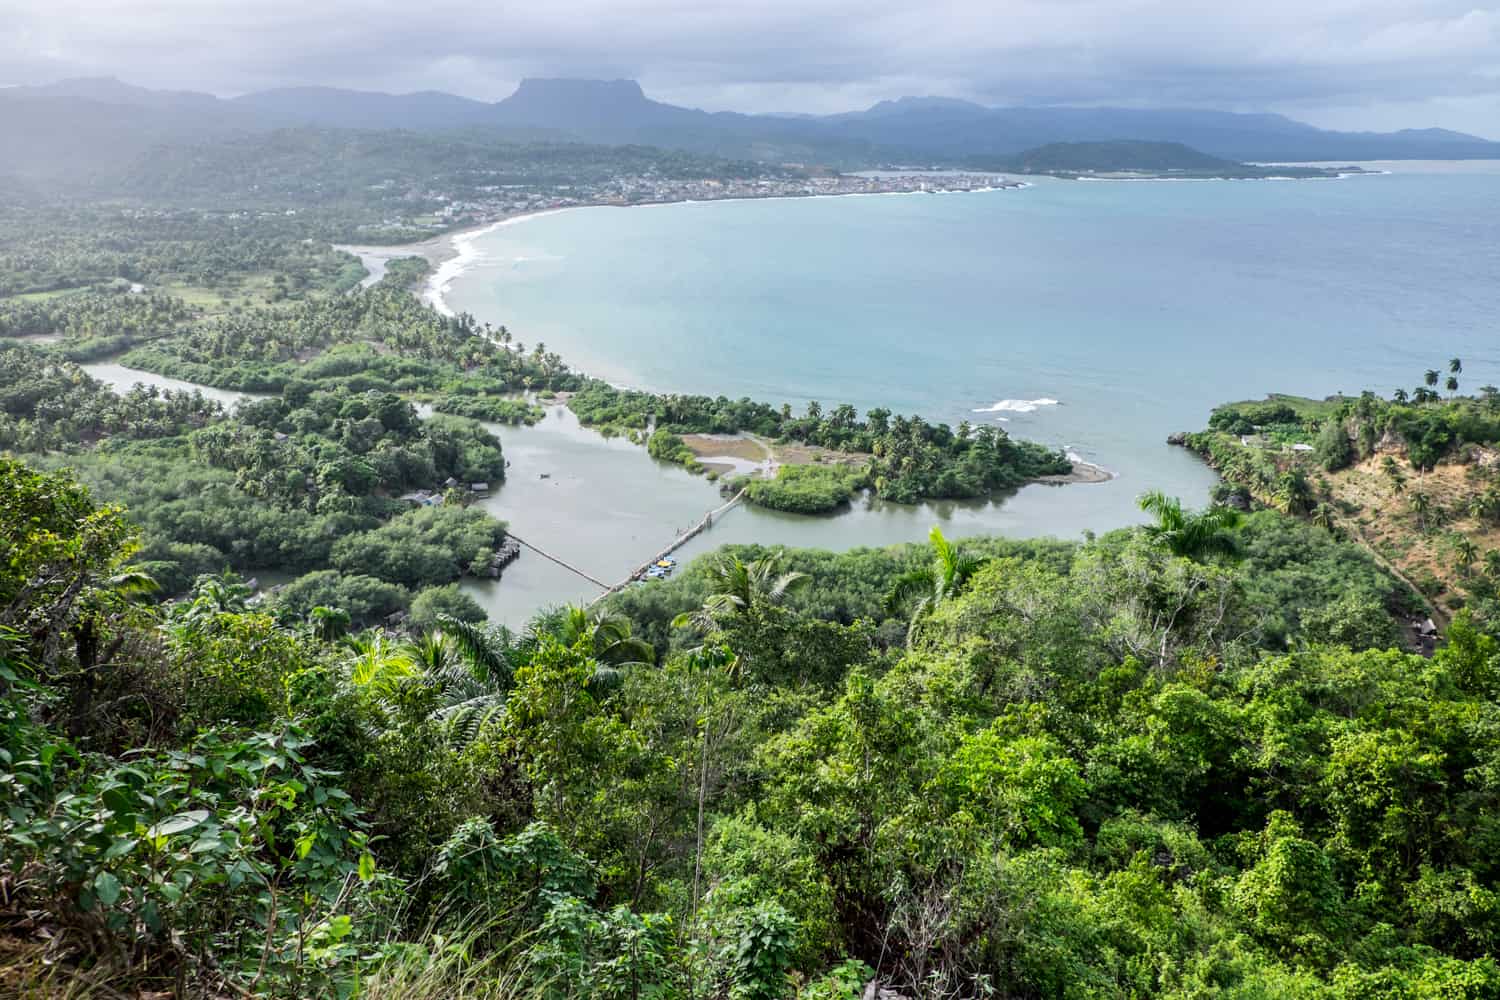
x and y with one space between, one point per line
1017 405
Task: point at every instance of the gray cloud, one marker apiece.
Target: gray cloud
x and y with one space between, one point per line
1356 63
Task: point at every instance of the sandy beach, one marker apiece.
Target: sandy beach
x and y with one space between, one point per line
452 253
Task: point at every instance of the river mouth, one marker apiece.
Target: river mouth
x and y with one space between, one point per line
604 505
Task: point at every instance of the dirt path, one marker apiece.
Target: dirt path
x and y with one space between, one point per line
1439 616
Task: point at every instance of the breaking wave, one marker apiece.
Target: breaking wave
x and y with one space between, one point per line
1017 406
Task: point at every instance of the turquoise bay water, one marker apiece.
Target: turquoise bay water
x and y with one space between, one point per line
1136 305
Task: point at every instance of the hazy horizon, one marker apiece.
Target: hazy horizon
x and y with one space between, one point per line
1377 65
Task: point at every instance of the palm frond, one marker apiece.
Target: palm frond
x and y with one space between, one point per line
483 650
909 587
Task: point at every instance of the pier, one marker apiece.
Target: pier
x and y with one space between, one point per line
682 539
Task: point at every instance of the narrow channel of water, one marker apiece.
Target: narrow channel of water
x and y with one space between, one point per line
604 505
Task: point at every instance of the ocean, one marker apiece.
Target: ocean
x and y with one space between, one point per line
1097 316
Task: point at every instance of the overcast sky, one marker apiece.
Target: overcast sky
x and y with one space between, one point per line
1377 64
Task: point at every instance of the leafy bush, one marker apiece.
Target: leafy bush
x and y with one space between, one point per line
365 599
434 603
806 489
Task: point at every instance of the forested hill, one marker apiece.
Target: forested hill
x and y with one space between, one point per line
66 126
1414 477
1153 159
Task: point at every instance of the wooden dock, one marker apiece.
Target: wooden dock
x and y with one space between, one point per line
679 542
703 525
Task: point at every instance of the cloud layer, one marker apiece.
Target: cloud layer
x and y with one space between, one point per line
1354 63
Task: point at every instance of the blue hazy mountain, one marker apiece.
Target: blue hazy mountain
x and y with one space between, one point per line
58 124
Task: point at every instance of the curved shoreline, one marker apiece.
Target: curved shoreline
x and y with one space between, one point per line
452 254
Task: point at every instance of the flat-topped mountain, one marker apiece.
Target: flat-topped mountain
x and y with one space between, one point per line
57 121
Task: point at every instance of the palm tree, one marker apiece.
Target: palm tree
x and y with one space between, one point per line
607 636
1467 553
1420 504
1430 377
1293 494
1189 534
737 587
378 664
1400 396
328 624
475 668
1455 366
1492 563
919 592
1478 506
1451 385
1323 517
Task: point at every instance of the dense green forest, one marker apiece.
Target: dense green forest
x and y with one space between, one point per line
1152 159
296 483
1020 770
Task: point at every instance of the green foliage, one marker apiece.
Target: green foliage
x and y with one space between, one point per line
668 447
426 546
365 599
1192 535
1091 773
905 459
1333 449
807 489
433 604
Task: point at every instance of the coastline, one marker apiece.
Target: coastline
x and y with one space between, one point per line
452 254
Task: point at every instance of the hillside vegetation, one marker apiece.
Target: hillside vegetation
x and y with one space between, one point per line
1018 771
1416 478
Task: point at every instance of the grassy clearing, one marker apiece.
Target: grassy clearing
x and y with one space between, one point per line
1306 409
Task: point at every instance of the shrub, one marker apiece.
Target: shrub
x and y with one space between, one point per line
807 489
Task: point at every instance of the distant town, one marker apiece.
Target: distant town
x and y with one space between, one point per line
486 204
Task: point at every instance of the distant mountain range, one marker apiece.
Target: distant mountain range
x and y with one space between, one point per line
79 128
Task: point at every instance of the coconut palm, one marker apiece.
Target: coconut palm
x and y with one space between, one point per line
737 587
1467 553
1451 385
328 624
1420 504
379 665
607 636
1401 396
1190 534
919 592
1293 493
1430 377
1323 517
1478 505
475 668
1455 366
